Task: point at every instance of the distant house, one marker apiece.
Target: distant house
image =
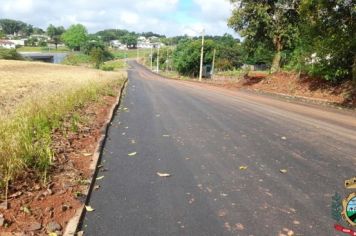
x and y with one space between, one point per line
143 42
117 44
7 44
18 42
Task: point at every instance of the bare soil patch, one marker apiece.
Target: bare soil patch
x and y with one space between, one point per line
343 94
37 208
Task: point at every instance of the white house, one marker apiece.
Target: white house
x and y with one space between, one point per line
7 44
117 44
18 42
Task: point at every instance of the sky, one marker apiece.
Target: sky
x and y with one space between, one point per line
168 17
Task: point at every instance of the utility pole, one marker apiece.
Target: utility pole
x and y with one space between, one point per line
201 56
213 66
151 57
158 59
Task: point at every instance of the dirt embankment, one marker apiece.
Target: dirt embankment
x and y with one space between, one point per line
290 84
38 209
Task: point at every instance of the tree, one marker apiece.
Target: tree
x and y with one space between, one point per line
328 32
111 34
12 26
130 40
75 36
55 33
267 22
98 56
187 56
37 30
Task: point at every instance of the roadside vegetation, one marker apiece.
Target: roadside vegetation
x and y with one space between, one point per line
35 99
10 54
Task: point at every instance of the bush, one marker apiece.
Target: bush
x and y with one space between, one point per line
10 54
75 59
98 56
187 56
107 67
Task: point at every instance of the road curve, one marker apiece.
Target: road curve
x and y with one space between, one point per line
225 151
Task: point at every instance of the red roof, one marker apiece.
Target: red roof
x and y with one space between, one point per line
6 42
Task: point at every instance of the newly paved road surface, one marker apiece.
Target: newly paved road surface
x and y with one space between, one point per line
202 135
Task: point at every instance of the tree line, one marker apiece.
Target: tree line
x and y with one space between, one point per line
312 36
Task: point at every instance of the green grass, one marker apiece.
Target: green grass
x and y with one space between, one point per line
118 64
131 53
76 59
231 73
42 49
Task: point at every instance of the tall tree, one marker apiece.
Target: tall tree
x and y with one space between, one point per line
75 36
55 33
328 31
12 26
267 22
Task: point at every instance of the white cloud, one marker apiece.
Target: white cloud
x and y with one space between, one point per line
135 15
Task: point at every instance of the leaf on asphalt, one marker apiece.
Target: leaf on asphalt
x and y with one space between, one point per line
123 133
284 138
101 177
283 171
163 174
96 187
158 115
133 141
89 208
166 135
243 167
132 154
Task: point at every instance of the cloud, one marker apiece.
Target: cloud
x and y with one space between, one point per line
160 16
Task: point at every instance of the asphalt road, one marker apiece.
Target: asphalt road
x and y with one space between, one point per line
202 135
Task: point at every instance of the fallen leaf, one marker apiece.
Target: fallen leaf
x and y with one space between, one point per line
283 171
284 138
87 154
96 187
99 178
89 208
132 154
163 174
166 135
52 234
26 210
133 141
243 167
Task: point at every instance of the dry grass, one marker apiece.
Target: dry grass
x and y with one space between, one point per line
20 81
34 98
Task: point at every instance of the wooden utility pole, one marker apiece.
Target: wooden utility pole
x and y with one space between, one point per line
213 66
201 56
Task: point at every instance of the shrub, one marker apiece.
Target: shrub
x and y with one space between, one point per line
10 54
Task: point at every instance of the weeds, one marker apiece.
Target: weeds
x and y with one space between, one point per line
26 134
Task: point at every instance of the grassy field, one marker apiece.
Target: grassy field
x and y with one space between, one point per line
131 53
34 98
